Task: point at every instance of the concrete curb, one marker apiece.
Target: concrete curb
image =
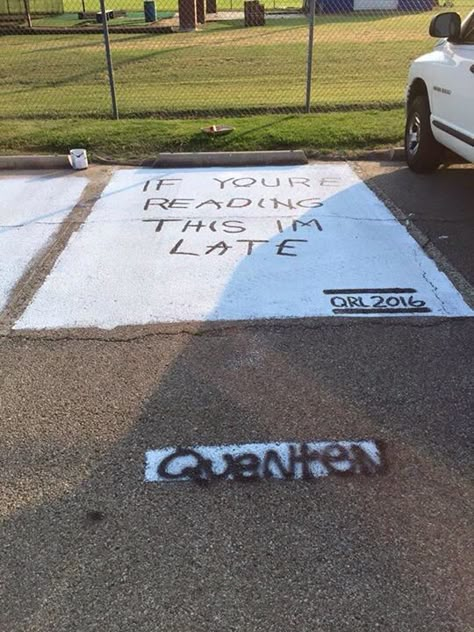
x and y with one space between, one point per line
34 162
207 159
394 154
227 159
253 158
391 154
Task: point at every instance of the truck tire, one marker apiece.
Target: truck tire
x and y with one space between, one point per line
423 153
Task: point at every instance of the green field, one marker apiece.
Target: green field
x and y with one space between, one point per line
357 60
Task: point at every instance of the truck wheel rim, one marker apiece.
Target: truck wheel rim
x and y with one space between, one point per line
413 134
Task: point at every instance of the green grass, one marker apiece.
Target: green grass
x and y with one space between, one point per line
321 133
222 68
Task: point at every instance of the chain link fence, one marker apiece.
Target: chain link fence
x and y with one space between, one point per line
183 58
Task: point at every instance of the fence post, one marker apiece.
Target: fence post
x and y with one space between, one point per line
309 64
108 55
26 4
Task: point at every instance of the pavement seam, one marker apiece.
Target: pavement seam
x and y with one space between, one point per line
215 330
41 265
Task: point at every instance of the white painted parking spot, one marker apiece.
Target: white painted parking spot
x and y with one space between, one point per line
227 244
31 210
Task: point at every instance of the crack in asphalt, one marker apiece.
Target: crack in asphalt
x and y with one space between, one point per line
435 290
425 276
237 329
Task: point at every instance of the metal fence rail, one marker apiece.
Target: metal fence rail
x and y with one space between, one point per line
183 58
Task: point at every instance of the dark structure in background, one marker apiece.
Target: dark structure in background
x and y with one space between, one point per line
349 6
254 13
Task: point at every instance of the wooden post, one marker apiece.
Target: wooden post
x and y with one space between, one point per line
201 11
187 15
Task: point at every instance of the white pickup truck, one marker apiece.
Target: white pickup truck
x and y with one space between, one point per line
440 96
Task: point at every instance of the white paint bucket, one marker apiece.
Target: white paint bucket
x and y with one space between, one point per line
78 158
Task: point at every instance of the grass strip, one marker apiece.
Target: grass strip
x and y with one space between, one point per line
335 132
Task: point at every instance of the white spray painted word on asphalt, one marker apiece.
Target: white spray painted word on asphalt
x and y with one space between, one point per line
257 461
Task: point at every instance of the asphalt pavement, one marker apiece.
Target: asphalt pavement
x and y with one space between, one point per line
440 204
86 545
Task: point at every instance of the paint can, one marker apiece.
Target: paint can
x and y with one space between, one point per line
78 158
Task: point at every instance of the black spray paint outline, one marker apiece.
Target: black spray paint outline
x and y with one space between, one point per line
236 467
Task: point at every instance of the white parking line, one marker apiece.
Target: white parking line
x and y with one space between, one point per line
31 210
227 244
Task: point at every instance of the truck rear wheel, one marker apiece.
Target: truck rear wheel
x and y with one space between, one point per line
423 153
